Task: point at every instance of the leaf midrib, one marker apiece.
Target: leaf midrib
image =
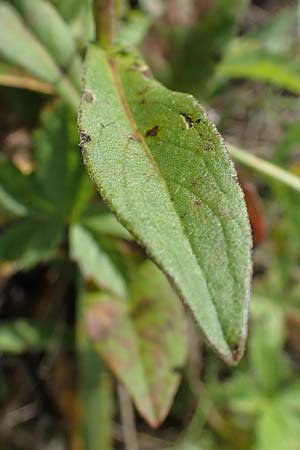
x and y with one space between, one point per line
119 90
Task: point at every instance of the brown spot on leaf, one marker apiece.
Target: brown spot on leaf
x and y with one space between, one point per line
152 132
197 203
134 138
142 68
88 96
198 120
84 138
101 320
143 307
236 353
208 146
144 90
187 120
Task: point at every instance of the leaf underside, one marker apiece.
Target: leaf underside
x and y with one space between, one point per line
164 170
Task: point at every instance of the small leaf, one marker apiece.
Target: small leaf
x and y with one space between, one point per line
14 77
60 171
134 29
143 340
163 168
266 344
198 43
79 15
54 34
246 58
19 46
105 223
30 240
277 429
95 383
19 336
93 262
19 194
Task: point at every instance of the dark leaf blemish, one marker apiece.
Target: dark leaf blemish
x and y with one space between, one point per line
152 132
197 203
236 352
84 138
134 138
88 96
208 147
144 90
187 120
142 68
198 120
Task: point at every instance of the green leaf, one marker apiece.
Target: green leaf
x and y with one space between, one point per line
134 29
30 240
95 385
163 168
247 59
239 394
60 170
19 336
289 397
143 340
93 262
196 49
19 194
19 46
277 429
79 15
97 397
266 344
105 223
54 34
14 77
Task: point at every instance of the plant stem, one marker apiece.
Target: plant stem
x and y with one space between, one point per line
128 420
266 168
105 17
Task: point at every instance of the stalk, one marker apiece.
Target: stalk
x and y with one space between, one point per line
106 22
269 170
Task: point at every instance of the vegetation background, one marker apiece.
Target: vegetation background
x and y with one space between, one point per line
242 61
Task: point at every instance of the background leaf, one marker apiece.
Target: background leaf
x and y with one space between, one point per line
14 77
30 240
60 171
19 336
54 34
19 46
93 262
19 193
142 340
95 384
99 221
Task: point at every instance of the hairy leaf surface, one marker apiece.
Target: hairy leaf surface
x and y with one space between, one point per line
163 168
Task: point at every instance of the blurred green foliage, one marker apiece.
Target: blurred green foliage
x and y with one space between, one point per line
52 213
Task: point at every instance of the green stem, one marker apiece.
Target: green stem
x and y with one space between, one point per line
105 17
264 167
